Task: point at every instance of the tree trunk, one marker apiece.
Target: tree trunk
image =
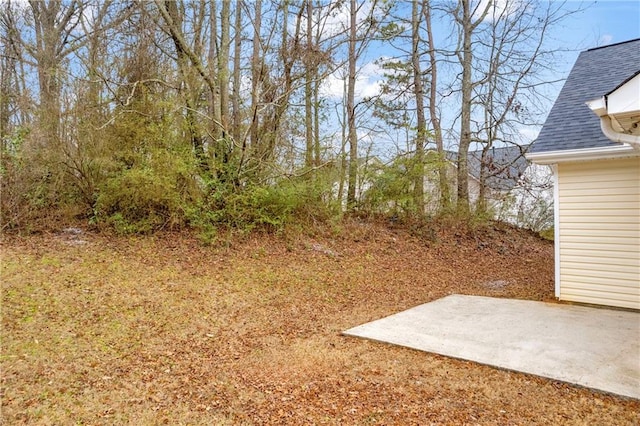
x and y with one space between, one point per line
351 113
256 74
223 65
465 111
235 98
443 179
214 93
466 59
316 101
7 76
183 68
481 203
343 152
47 37
308 118
421 131
317 160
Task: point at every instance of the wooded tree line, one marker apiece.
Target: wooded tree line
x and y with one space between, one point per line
147 115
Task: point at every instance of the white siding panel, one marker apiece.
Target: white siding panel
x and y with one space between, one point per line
618 214
600 298
604 256
583 223
599 232
601 186
604 291
596 173
599 192
611 261
599 273
604 250
605 232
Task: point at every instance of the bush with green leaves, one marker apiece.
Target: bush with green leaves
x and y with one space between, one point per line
269 206
150 173
391 189
36 190
154 193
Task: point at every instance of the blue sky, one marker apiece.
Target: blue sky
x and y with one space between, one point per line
599 23
603 22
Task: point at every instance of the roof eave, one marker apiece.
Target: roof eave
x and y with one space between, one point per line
584 154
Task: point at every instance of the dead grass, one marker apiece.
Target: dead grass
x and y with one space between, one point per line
160 330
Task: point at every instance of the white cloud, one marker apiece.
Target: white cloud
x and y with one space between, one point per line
368 82
333 86
605 39
497 9
334 18
529 134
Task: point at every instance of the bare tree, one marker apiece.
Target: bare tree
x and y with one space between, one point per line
235 97
421 129
55 37
351 109
502 56
12 76
310 76
172 21
467 19
223 64
257 73
173 16
443 179
513 59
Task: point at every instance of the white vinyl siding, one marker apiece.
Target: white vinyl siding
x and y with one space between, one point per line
599 232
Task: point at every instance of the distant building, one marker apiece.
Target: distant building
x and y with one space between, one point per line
516 191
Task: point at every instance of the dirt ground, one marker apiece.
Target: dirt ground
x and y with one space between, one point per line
99 329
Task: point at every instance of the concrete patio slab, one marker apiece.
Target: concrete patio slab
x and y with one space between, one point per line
592 347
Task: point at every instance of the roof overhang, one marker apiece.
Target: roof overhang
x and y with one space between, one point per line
619 112
625 99
584 154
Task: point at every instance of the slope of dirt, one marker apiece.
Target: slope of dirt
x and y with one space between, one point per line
161 330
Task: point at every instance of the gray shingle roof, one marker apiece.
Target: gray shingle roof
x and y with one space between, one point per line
503 165
571 124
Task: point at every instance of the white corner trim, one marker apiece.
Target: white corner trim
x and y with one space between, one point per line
556 230
584 154
598 106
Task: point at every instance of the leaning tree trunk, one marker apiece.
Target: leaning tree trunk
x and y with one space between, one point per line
443 179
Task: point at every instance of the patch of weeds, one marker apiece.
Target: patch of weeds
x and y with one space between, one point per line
548 234
50 261
31 348
259 254
208 235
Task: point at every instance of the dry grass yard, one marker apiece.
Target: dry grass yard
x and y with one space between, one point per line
100 330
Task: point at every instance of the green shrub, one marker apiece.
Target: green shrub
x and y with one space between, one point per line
137 201
269 207
148 198
548 233
391 191
36 190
